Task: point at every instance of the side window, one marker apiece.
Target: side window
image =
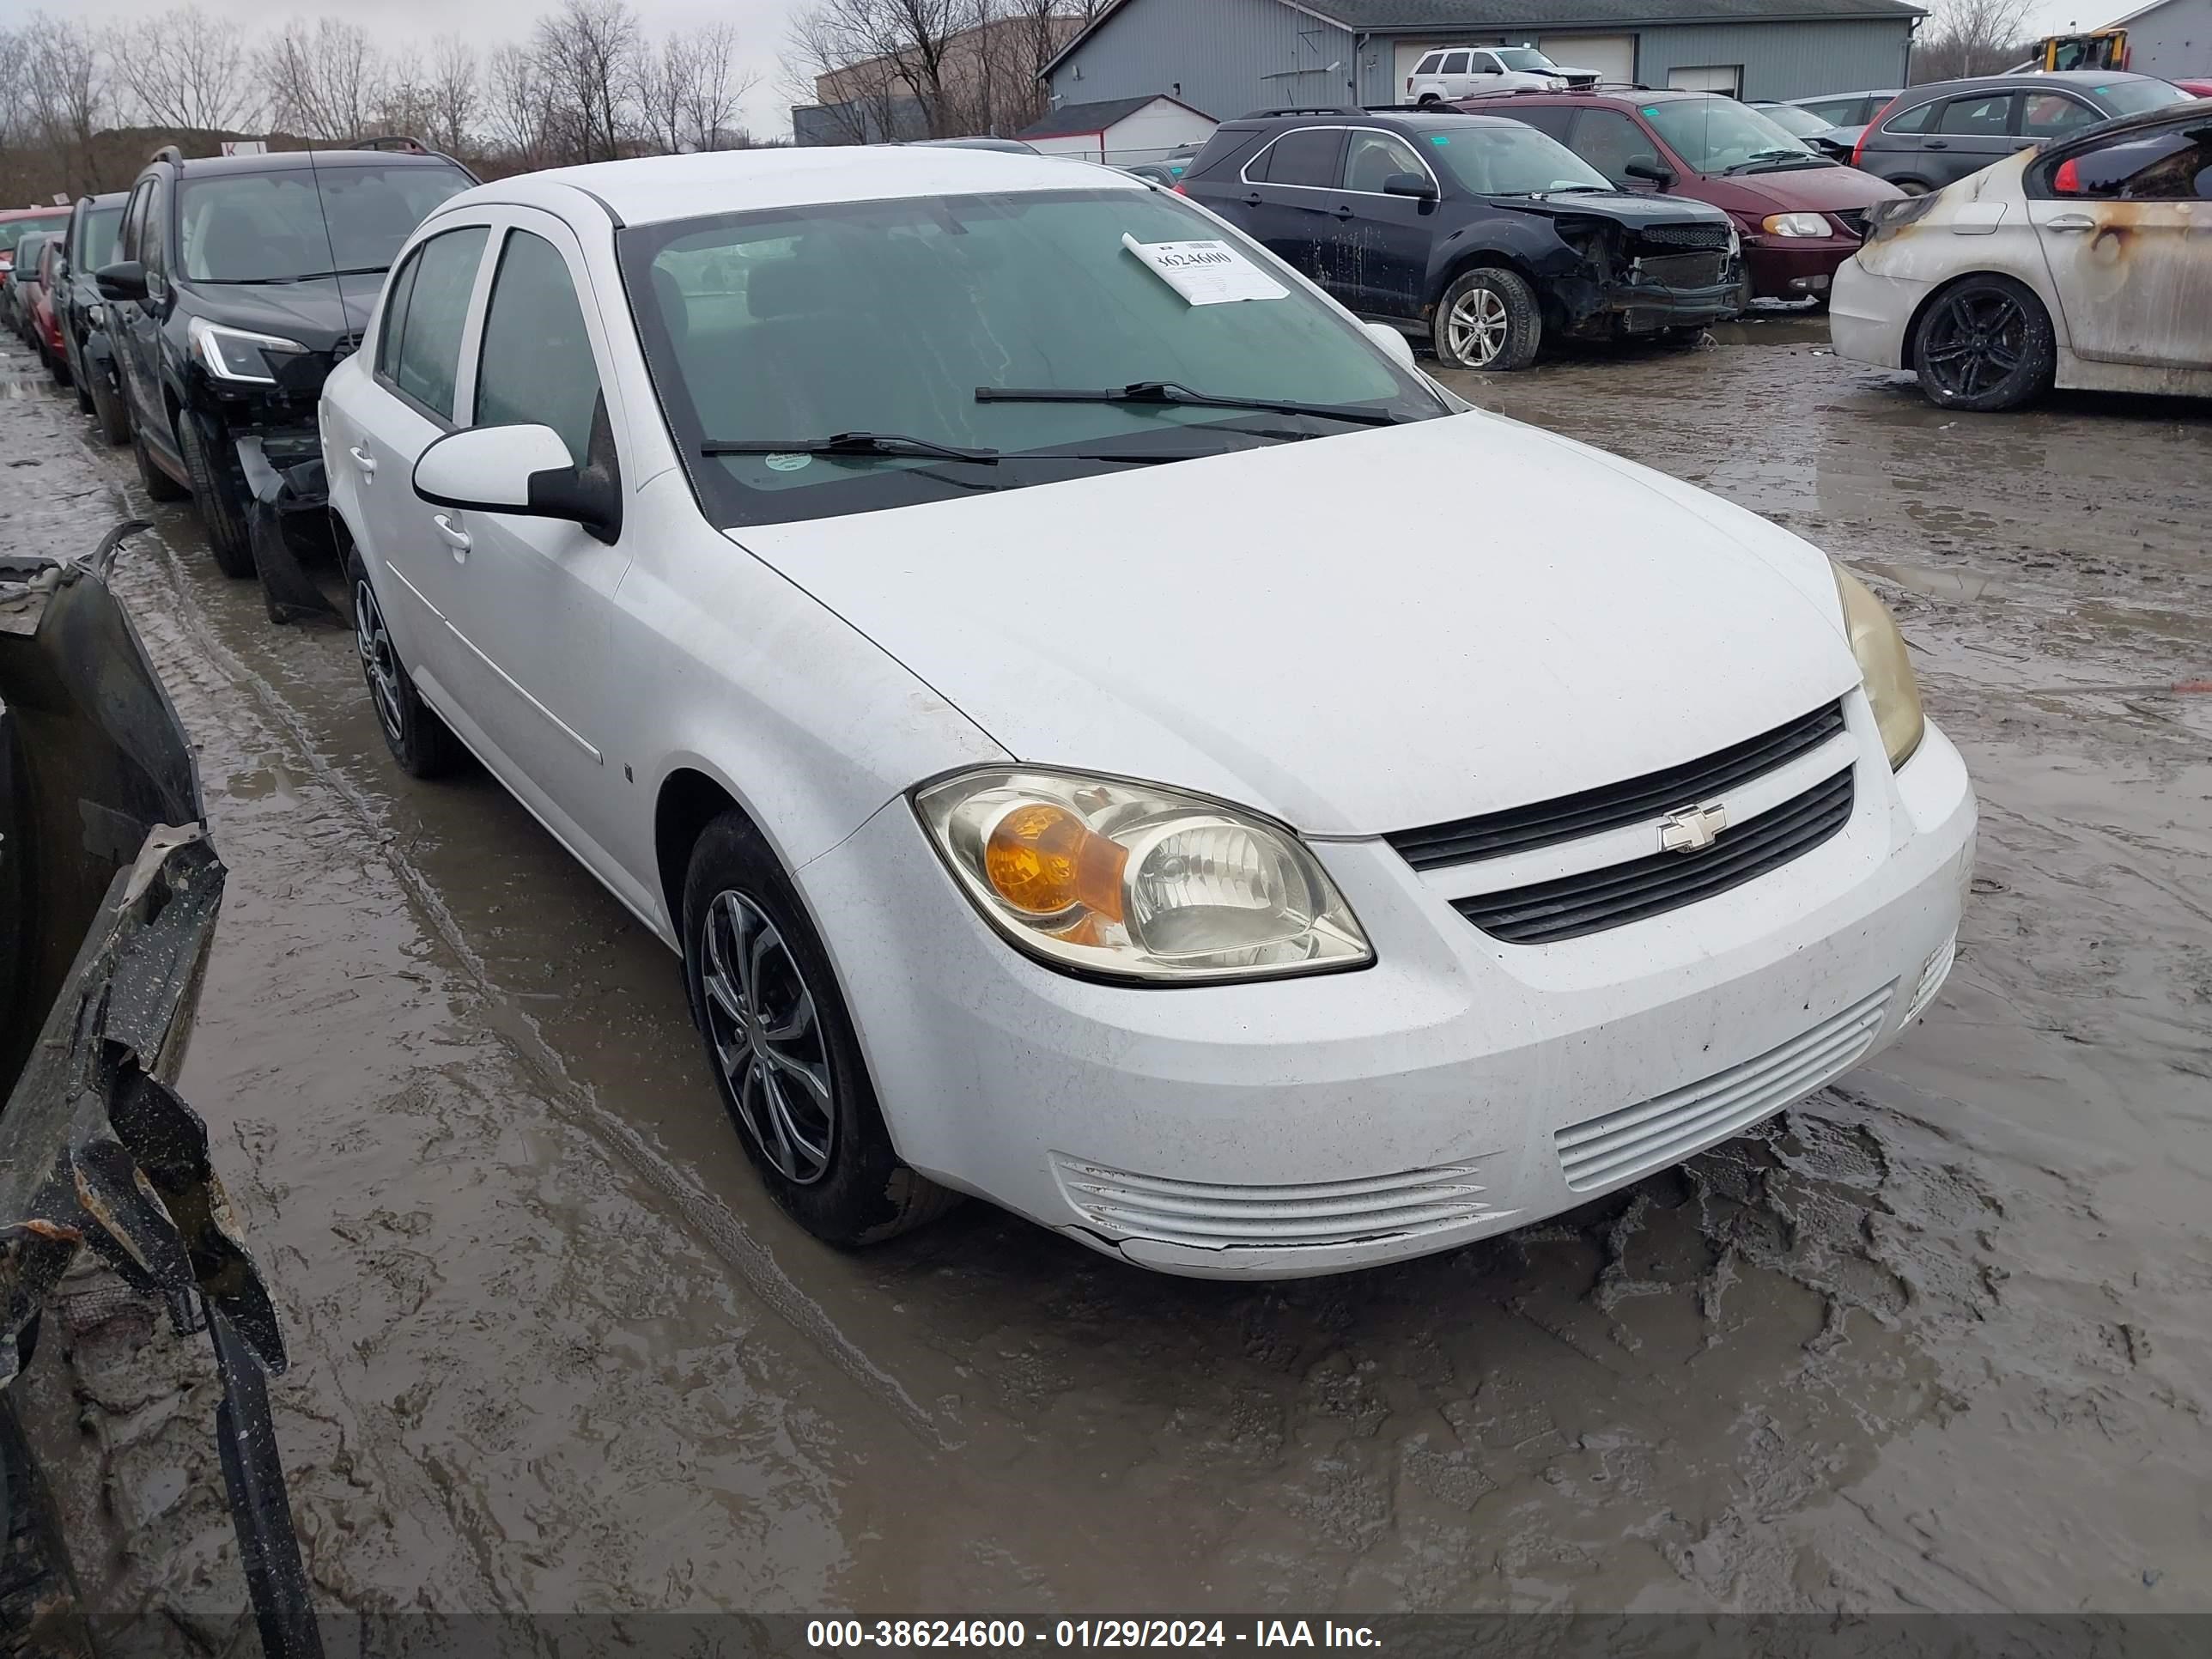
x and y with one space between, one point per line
1307 156
1553 120
153 234
134 215
2152 167
429 355
1428 65
1833 110
1983 115
1609 141
1455 63
1915 119
1369 158
2044 113
395 315
535 364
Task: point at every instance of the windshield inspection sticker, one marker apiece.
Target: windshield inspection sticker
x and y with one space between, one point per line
786 463
1205 273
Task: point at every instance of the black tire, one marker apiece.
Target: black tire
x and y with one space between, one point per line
57 365
82 380
220 507
1487 320
108 409
1984 343
1913 186
423 743
1429 100
782 1020
158 485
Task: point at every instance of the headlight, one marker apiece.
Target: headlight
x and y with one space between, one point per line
1131 881
1795 224
238 354
1891 685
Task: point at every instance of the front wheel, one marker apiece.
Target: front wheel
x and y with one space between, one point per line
1487 320
786 1058
424 745
1986 343
160 486
222 508
108 409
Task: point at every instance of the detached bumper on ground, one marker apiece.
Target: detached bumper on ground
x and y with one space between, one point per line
1460 1087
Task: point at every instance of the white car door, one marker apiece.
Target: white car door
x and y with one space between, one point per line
533 597
408 400
2126 227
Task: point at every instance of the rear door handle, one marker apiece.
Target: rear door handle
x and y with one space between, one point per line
2070 221
1343 212
1253 200
364 460
453 536
1938 144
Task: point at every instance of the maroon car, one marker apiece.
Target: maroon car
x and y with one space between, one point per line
1801 213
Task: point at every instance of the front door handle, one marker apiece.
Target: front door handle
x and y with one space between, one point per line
1343 212
1937 143
364 460
453 536
1253 200
2070 221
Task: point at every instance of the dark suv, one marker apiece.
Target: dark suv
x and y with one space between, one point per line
1936 135
237 283
1475 231
82 314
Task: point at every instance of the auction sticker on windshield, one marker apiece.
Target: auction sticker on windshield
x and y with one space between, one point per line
1209 273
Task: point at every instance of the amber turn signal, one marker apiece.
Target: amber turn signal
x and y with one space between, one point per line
1042 859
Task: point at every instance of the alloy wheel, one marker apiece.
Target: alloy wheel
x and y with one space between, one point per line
768 1038
379 666
1977 340
1478 327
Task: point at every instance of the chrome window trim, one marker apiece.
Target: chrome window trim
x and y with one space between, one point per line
1338 190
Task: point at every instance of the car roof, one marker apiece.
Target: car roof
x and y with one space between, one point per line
31 212
2026 79
112 198
653 189
1411 121
286 161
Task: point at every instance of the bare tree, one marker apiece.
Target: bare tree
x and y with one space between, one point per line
64 90
587 50
1972 37
328 81
452 94
714 88
519 107
870 53
187 70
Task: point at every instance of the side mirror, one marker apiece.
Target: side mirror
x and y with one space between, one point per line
125 281
516 469
1395 345
1416 184
1650 172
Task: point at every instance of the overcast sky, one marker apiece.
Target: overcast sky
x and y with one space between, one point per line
761 26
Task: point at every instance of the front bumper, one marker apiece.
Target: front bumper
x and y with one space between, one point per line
1643 307
1309 1126
1794 267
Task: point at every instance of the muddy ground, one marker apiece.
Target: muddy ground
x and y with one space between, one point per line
1937 1339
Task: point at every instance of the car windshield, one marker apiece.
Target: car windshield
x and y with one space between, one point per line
1713 134
1798 122
1525 58
1510 161
12 231
268 227
2133 97
100 225
796 325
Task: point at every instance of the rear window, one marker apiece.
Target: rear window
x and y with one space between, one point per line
1912 120
12 231
2133 97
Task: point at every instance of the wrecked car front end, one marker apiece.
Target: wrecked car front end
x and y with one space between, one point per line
1629 278
109 890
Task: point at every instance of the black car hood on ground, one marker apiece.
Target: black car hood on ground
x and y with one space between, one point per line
319 312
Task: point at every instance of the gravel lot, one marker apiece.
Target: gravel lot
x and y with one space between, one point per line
1938 1339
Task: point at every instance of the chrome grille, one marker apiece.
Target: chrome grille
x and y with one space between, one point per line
1668 1128
1214 1215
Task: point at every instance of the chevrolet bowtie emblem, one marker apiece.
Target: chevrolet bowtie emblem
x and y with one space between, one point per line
1693 828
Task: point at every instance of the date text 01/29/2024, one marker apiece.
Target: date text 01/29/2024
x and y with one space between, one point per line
995 1635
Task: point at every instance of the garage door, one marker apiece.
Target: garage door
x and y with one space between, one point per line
1613 56
1709 77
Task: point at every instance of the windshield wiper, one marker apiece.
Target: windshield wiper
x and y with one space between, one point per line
1752 161
862 444
1572 190
306 277
1171 393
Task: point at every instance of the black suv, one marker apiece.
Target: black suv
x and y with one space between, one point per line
82 314
237 283
1477 232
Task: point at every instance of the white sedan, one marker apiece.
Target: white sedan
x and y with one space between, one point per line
948 596
2085 263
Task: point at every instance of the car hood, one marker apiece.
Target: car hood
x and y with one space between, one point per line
1816 190
316 312
1635 208
1289 628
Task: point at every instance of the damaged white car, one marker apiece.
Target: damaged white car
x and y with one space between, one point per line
942 593
2087 264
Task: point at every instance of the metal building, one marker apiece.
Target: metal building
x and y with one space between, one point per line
1225 56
